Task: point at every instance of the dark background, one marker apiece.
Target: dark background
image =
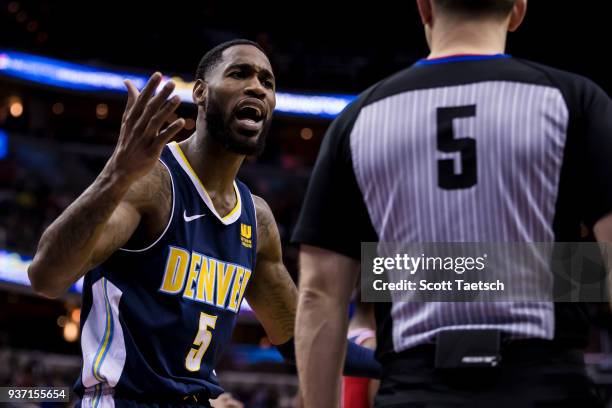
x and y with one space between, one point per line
314 47
327 46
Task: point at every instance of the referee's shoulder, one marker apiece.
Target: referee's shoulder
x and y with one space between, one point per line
374 93
571 84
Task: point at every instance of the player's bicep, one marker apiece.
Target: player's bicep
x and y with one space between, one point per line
272 295
149 195
117 231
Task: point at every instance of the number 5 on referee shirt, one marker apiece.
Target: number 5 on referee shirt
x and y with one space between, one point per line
466 147
201 342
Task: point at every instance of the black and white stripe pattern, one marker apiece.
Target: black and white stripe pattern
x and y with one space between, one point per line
520 131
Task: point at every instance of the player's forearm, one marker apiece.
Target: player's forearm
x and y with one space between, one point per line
321 325
65 247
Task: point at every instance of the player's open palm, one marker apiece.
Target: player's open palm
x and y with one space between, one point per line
143 134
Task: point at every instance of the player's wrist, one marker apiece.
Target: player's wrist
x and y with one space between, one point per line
114 181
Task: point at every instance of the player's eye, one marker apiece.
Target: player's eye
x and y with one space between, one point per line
237 74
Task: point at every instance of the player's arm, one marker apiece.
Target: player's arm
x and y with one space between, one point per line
326 281
105 216
273 297
271 293
373 385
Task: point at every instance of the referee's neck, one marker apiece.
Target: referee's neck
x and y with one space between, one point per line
467 38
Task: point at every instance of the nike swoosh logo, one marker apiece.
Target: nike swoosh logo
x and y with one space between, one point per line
191 217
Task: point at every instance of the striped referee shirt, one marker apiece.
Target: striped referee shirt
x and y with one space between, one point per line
465 149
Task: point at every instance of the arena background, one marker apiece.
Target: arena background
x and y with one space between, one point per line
59 123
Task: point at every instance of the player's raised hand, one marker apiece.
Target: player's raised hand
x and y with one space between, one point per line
143 134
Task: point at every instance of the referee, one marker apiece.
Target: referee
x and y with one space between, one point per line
468 145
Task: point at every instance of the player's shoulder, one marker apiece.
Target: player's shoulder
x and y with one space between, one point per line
267 232
263 210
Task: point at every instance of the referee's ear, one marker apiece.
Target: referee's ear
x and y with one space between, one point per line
517 15
425 8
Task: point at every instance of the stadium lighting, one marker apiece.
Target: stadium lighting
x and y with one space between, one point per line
66 75
15 107
71 331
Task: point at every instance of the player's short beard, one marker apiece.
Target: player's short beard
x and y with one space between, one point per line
219 129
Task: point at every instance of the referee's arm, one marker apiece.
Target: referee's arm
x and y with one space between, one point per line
327 279
603 234
598 136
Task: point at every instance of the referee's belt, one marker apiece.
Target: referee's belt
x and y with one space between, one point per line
511 351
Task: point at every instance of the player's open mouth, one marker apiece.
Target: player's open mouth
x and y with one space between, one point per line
250 114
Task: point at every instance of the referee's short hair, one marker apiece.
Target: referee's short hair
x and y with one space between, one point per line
497 8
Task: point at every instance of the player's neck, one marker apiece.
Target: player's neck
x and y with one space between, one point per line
473 38
215 166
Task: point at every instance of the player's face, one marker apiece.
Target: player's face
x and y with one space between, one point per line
241 99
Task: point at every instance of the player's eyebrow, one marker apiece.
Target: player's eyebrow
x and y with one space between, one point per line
243 66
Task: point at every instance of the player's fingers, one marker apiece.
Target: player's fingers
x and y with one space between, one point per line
152 107
229 401
132 95
225 397
146 94
163 114
170 131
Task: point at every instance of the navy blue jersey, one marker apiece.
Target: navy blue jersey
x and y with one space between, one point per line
156 320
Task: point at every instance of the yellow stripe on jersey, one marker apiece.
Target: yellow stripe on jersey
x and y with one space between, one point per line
106 338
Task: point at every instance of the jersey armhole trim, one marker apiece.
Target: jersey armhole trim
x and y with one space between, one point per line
169 220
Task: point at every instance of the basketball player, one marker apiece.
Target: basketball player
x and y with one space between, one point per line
467 145
173 242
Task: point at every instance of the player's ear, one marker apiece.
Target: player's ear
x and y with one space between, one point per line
425 11
200 92
517 15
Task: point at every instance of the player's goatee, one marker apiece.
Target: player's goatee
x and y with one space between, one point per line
220 130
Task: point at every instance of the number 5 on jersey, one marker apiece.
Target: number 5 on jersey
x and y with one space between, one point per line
201 342
465 146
